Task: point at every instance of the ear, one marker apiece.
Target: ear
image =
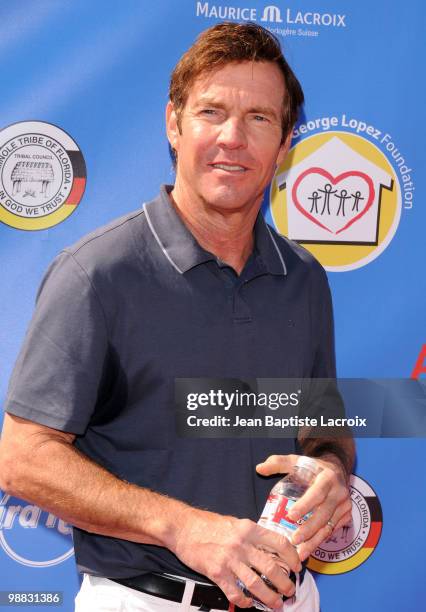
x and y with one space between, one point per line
172 126
285 146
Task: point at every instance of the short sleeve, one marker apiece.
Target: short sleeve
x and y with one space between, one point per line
56 378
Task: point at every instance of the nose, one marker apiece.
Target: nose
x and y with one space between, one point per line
232 134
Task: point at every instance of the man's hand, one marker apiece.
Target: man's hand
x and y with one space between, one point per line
41 464
225 548
327 497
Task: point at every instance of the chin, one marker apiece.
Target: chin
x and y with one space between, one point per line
226 201
228 197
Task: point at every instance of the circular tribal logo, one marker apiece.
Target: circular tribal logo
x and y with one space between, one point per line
337 195
42 175
350 546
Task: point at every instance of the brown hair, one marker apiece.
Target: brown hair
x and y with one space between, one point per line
234 42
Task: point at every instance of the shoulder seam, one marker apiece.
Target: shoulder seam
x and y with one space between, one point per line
92 287
106 231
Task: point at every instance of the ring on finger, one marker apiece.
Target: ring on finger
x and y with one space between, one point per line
331 524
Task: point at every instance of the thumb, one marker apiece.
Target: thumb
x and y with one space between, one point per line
277 464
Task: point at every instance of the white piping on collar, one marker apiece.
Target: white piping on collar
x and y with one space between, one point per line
162 247
277 249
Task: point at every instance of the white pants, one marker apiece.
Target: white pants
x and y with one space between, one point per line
103 595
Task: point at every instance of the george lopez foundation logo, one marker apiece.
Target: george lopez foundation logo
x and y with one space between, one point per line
338 195
350 546
42 175
32 537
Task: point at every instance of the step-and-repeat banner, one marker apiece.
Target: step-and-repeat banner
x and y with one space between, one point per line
82 141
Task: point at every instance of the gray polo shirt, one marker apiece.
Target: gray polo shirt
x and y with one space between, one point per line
135 305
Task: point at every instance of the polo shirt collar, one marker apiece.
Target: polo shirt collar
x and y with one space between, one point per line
183 251
174 238
267 247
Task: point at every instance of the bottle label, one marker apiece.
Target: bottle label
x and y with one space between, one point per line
281 514
270 507
276 511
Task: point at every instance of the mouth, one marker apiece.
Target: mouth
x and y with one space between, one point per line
232 168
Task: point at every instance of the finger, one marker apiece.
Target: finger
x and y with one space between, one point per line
234 593
341 517
325 482
313 497
274 542
325 514
275 570
345 521
277 464
315 522
307 548
333 524
228 582
257 587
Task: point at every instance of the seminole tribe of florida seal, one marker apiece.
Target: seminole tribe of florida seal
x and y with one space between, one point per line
350 546
42 175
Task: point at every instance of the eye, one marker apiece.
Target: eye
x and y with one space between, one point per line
260 118
208 111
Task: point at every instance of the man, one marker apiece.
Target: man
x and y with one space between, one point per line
194 284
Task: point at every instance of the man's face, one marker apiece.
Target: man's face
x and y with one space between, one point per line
230 140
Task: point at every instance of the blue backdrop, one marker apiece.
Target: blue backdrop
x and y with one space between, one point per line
99 70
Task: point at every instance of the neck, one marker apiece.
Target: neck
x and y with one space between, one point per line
226 233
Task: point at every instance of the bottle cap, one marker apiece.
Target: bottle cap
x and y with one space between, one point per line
308 463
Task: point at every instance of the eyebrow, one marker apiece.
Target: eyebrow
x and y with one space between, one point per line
262 110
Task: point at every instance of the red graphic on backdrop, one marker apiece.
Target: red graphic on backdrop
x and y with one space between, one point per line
342 205
420 367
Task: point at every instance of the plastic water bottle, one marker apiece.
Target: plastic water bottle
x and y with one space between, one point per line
281 499
285 494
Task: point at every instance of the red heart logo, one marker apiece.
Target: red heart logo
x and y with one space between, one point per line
354 180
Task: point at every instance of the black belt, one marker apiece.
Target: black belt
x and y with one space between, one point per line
206 597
